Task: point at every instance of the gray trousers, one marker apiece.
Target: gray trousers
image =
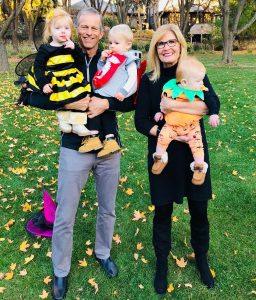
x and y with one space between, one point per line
74 169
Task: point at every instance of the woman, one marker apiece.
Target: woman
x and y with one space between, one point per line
167 47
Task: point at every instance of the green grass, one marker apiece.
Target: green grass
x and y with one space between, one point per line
29 138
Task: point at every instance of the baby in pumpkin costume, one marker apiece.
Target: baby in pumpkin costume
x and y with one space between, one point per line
188 86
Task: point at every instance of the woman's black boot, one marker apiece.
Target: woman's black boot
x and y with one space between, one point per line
204 270
160 281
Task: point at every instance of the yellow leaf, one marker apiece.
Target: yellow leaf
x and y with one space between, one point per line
170 288
36 245
9 224
24 246
2 289
181 262
188 285
129 191
13 266
141 286
151 208
234 172
47 279
144 260
117 239
23 272
213 273
191 256
213 196
88 243
19 170
139 246
136 256
123 179
44 295
175 219
83 263
2 239
89 251
28 259
49 254
138 215
94 284
8 275
26 207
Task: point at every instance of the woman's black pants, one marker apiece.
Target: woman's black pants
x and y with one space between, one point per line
199 227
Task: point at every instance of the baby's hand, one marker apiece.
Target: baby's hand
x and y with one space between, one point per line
105 54
119 96
47 89
69 44
158 116
214 120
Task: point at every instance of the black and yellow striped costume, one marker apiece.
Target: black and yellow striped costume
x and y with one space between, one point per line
62 67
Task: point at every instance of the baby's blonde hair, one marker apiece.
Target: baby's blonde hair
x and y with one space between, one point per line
187 67
53 16
122 30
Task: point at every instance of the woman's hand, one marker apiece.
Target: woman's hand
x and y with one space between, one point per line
193 108
97 106
79 105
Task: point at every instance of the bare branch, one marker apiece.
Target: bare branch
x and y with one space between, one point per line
247 25
239 11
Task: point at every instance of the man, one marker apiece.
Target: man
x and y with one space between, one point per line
74 168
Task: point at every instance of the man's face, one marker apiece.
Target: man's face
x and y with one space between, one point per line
89 32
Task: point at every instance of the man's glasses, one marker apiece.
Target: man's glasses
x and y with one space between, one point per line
170 43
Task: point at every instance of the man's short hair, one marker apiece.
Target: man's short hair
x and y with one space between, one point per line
88 11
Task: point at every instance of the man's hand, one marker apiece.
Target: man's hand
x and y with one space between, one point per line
47 89
183 138
79 105
69 44
97 106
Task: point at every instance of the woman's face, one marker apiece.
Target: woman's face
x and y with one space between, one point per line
168 49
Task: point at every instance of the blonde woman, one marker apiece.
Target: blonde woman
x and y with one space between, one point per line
167 47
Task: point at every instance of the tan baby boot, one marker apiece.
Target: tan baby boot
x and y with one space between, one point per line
110 146
199 170
160 161
90 143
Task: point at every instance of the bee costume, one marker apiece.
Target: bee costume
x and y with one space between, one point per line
62 68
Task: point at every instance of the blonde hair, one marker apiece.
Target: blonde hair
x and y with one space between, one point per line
122 30
53 16
153 59
187 67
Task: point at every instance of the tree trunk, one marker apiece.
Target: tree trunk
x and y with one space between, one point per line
4 66
15 43
227 56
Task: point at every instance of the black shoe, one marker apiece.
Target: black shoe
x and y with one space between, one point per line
60 287
109 266
160 281
204 270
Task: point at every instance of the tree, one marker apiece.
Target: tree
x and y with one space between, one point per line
230 28
98 5
4 66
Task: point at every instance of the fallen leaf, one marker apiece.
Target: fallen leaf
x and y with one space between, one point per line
26 207
188 285
138 215
88 243
36 245
28 259
44 295
23 272
191 256
83 263
2 289
116 239
175 219
252 293
137 231
151 208
24 246
234 172
181 262
141 286
49 254
89 251
213 273
136 256
13 266
1 275
144 260
170 288
213 196
123 179
94 284
47 279
186 211
139 246
8 275
129 191
9 224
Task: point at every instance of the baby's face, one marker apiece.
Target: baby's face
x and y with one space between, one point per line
118 44
194 82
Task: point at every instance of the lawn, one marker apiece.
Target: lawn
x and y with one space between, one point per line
29 146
